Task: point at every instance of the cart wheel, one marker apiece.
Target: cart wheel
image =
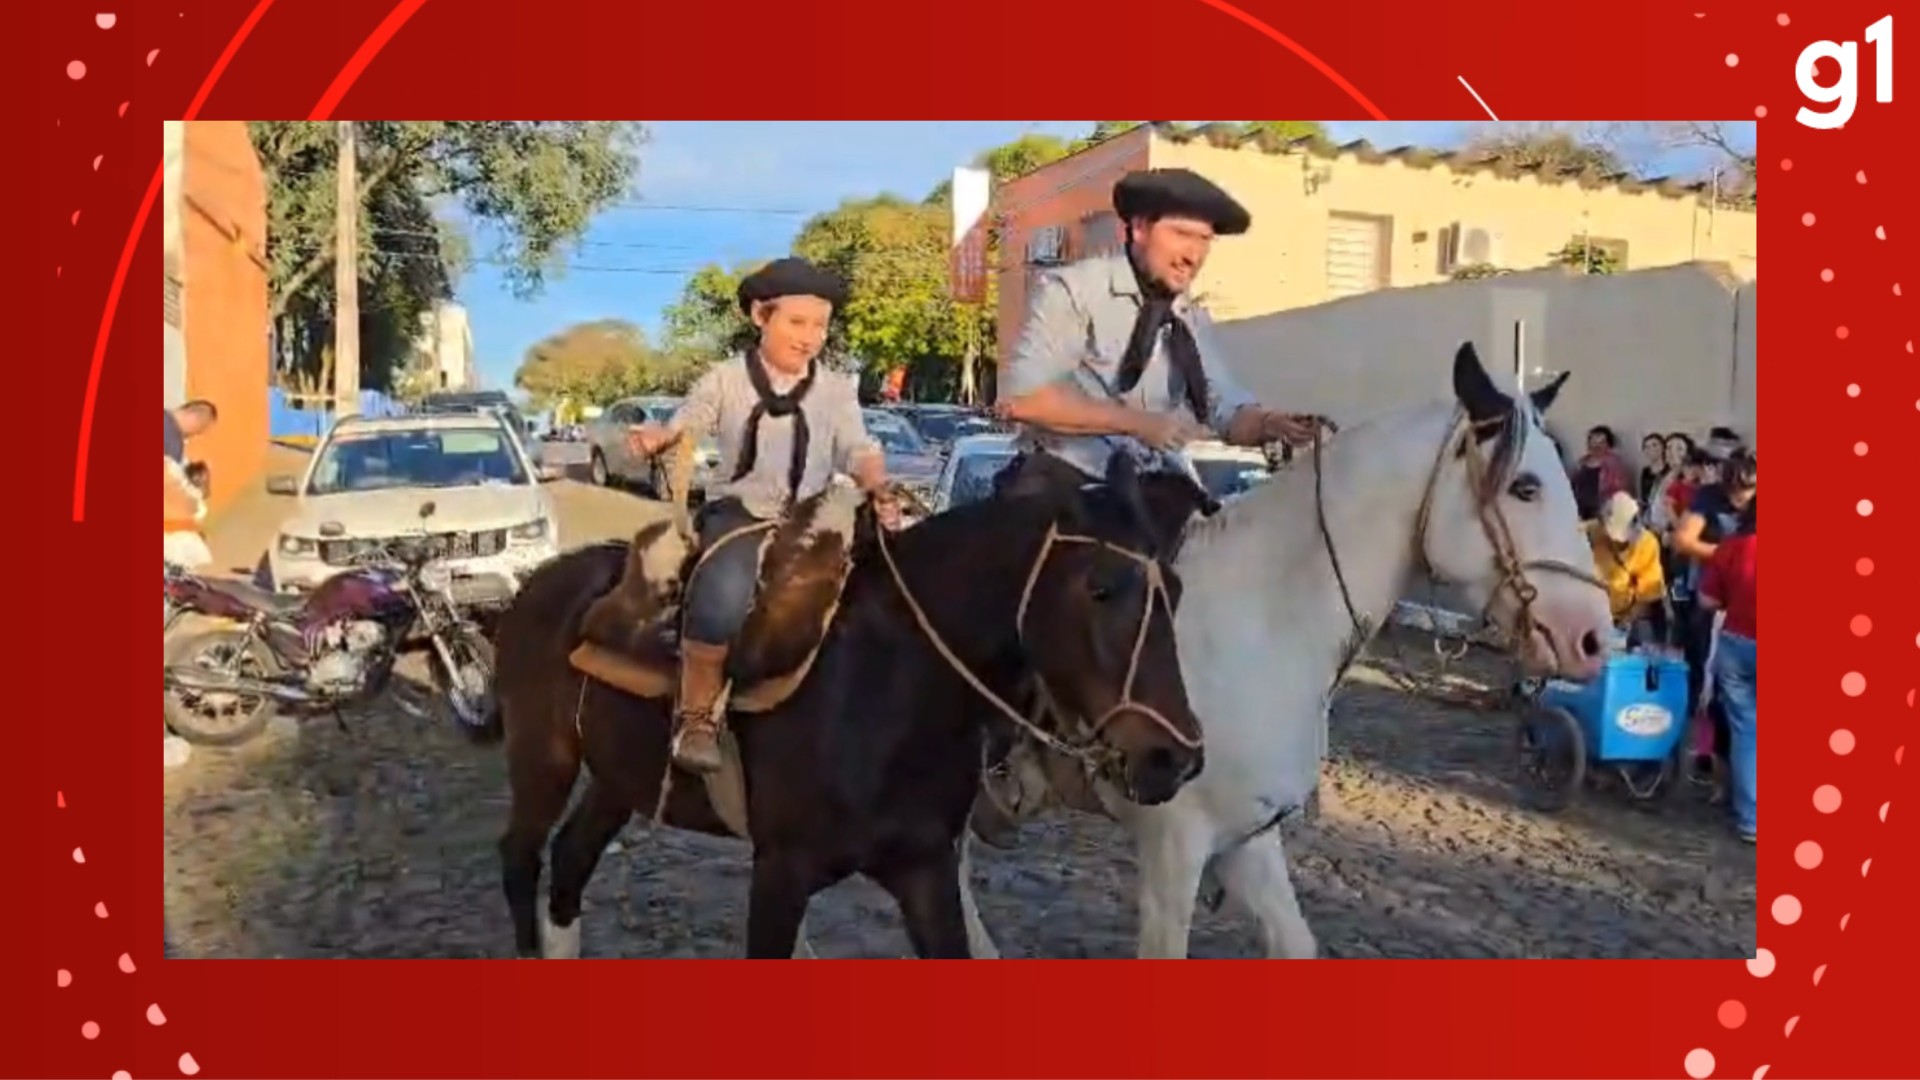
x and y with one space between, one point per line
1553 758
1648 783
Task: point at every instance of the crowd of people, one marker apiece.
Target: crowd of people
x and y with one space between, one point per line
1676 545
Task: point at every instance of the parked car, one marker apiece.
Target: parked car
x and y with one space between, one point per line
365 486
494 401
910 461
971 464
940 424
612 460
1227 472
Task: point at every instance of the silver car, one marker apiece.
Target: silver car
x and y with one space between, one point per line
971 466
911 462
613 461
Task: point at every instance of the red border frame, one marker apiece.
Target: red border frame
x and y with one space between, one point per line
88 783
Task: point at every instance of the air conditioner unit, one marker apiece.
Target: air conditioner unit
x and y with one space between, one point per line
1469 244
1047 246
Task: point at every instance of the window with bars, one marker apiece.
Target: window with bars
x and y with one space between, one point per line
172 302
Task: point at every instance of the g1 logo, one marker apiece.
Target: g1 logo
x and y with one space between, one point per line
1844 94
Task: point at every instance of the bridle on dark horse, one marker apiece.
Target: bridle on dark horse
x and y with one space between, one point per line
1084 749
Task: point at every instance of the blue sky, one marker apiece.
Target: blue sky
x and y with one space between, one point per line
727 191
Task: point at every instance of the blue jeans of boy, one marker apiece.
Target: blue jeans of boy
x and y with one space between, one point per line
1736 672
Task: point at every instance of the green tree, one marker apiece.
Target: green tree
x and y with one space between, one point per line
1102 131
1015 159
894 257
707 320
532 187
1010 161
1583 256
1286 130
599 362
1550 147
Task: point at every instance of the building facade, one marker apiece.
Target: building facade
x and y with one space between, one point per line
1337 221
214 216
445 348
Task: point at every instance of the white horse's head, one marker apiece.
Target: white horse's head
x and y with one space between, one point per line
1499 522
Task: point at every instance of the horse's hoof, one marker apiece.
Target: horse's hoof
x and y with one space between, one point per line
559 943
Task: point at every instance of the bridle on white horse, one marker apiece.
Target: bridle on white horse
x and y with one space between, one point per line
1157 598
1463 439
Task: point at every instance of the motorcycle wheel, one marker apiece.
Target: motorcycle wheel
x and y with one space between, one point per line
223 719
468 695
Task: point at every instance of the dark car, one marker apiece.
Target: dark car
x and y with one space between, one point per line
494 401
940 423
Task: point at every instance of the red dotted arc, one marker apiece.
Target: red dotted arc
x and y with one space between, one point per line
1786 909
84 450
1300 51
364 55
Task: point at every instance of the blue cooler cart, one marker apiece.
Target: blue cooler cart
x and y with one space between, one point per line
1632 720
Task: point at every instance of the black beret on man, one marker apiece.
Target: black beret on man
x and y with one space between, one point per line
1179 193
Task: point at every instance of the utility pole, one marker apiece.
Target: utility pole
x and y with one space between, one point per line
346 279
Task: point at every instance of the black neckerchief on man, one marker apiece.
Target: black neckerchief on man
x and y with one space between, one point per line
776 406
1156 312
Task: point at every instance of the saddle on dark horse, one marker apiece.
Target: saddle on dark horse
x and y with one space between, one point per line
629 637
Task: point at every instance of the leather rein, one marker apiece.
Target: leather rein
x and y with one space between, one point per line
1463 438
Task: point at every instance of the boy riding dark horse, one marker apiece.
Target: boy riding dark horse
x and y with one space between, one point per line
785 425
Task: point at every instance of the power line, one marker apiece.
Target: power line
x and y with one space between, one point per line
685 208
390 253
637 245
326 172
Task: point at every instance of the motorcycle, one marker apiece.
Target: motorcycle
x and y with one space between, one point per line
321 652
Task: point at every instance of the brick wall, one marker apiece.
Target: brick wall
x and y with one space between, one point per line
1073 192
223 298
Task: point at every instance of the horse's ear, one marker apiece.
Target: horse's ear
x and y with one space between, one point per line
1474 388
1543 397
1123 479
1173 498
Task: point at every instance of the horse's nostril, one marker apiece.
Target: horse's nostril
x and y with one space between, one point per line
1590 645
1160 762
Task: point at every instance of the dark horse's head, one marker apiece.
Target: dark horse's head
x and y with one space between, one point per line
1096 623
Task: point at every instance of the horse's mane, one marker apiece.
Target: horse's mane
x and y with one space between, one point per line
1508 447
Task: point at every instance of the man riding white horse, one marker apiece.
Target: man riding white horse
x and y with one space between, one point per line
1116 357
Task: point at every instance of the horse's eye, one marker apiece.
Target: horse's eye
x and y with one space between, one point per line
1105 583
1525 487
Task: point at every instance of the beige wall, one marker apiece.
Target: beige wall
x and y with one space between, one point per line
1281 262
1746 374
1654 350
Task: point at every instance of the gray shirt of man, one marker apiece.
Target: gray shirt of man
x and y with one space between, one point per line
719 405
1079 320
